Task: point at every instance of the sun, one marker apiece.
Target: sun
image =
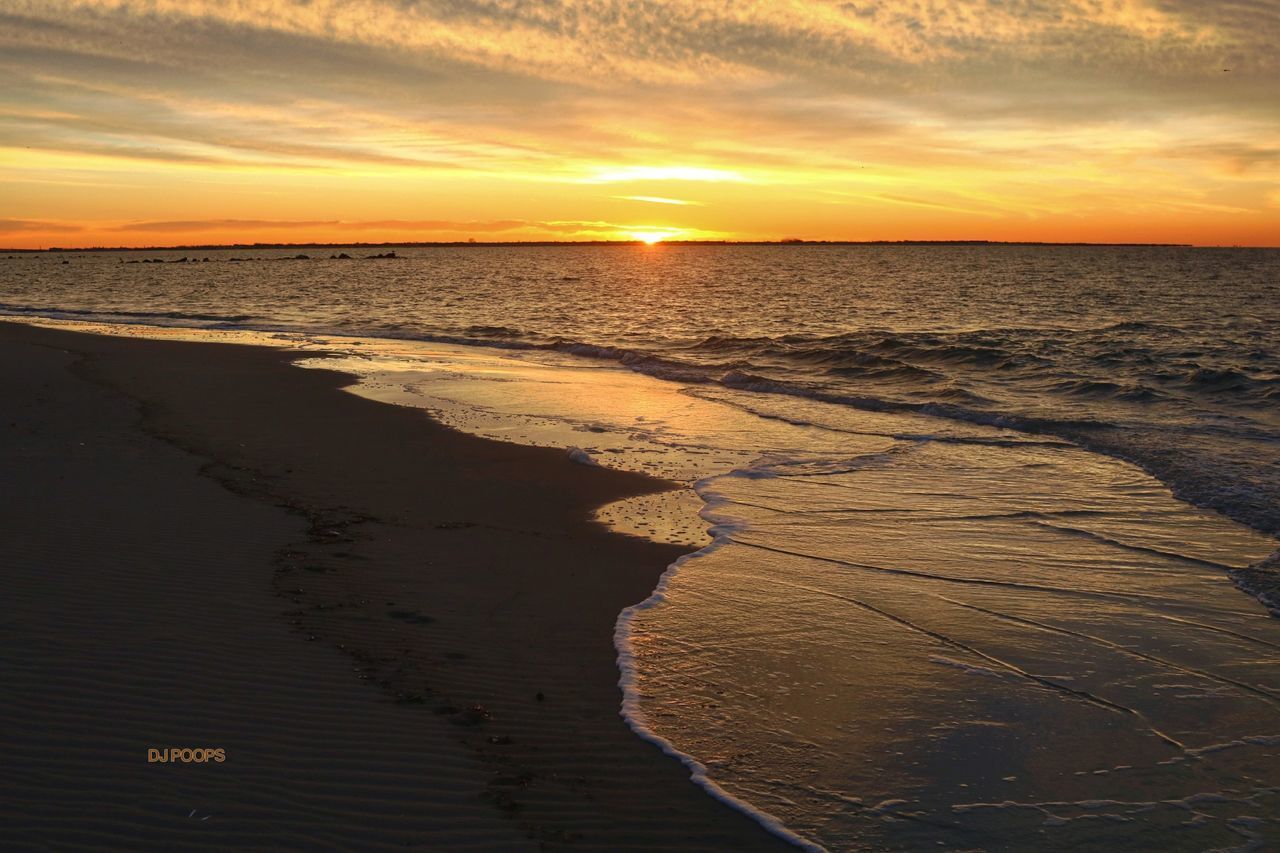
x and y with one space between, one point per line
649 237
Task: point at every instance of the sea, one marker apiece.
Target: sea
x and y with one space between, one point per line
981 538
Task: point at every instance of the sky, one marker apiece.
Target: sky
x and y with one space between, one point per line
163 122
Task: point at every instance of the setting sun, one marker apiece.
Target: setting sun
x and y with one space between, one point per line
649 237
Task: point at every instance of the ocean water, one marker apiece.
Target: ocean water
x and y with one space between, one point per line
963 521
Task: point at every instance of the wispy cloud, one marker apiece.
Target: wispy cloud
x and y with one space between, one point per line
238 229
244 225
20 226
632 174
653 199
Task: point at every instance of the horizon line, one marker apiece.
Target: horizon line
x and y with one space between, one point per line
413 244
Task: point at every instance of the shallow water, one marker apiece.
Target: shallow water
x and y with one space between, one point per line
910 629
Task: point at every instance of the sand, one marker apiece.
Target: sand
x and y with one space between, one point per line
399 634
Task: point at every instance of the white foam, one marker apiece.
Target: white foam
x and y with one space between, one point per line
633 713
582 457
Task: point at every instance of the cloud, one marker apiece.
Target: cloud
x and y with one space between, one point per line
628 174
1237 159
21 226
465 226
358 225
219 225
480 83
915 102
653 199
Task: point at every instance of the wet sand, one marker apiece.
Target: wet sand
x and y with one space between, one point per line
400 635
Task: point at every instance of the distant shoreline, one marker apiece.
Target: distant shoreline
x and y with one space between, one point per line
539 243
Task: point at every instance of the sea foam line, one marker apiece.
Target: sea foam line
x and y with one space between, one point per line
631 711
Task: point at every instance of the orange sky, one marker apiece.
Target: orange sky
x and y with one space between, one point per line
157 122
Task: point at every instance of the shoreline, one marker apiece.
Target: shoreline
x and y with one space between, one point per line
527 694
1260 580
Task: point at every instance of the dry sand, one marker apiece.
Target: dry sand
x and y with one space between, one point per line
401 635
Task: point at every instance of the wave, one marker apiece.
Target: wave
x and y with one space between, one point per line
1262 580
494 331
632 712
877 348
134 316
1100 388
1140 326
661 367
1227 379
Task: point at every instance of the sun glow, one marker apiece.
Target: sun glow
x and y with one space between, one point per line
649 237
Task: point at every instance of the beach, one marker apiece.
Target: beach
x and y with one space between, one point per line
400 635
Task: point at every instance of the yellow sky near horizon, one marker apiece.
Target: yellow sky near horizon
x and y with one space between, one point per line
157 122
